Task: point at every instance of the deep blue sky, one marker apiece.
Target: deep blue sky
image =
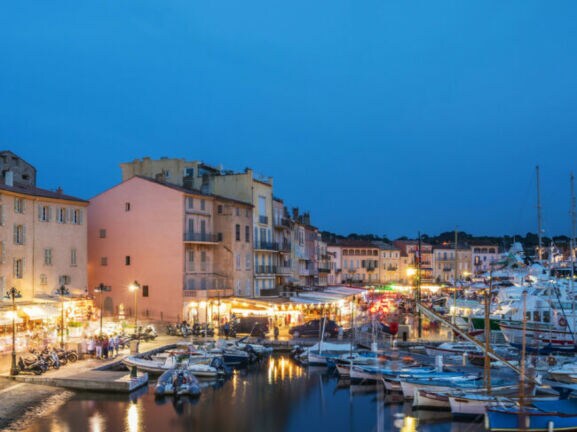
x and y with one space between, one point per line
377 116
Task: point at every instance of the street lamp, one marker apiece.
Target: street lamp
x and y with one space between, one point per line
101 289
62 291
134 287
13 293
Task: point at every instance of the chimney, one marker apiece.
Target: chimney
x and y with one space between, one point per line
59 190
295 213
9 178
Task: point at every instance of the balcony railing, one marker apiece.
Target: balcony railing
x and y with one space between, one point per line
284 270
282 223
266 246
194 237
265 269
324 269
263 219
284 247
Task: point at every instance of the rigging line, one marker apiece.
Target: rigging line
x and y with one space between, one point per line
556 290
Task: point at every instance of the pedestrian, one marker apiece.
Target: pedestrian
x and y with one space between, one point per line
226 329
276 332
105 347
111 343
98 345
91 346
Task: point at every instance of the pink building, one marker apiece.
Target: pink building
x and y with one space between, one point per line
162 236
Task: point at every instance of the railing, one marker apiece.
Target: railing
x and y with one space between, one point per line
324 269
201 237
284 247
269 292
392 268
263 219
208 293
266 246
284 270
264 269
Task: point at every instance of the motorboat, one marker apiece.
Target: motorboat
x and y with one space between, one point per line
177 382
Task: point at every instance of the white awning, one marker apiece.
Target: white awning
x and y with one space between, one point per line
6 318
40 312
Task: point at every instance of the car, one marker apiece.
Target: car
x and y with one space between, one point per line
313 329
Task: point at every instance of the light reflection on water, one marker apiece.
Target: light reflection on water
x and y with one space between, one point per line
278 395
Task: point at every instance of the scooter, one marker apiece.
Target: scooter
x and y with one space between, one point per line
30 366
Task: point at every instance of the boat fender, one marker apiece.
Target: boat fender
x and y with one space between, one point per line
551 361
562 322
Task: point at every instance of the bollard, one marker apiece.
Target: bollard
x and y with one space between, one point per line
133 373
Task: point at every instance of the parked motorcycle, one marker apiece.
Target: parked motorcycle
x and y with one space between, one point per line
31 365
202 330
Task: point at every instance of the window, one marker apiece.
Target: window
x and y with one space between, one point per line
2 252
73 257
126 206
77 217
189 172
248 259
237 232
48 257
246 213
237 259
203 204
166 173
127 260
144 290
64 280
102 233
219 237
61 215
237 210
219 209
203 260
189 203
247 234
18 269
44 213
18 205
1 214
43 279
19 234
191 260
103 261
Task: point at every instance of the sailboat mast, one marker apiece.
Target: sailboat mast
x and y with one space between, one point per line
455 277
573 229
420 318
539 229
487 364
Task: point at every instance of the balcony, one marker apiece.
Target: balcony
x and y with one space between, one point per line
271 292
284 247
206 238
282 223
265 269
324 269
268 246
263 220
392 268
284 270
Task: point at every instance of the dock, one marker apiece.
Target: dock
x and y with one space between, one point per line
93 380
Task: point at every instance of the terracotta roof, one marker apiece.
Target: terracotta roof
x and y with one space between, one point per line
37 192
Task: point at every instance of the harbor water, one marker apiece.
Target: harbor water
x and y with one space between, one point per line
277 395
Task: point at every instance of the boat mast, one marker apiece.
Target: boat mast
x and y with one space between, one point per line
420 320
572 246
487 364
455 277
539 230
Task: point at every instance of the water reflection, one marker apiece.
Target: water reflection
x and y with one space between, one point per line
278 395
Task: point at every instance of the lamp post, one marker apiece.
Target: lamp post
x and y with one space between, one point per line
62 291
100 289
13 293
134 287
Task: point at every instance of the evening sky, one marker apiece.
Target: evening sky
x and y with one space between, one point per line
382 117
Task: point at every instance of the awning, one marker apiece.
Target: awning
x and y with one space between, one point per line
6 318
40 312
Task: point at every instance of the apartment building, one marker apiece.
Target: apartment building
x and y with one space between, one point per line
409 256
243 186
389 262
482 256
282 237
183 248
444 263
43 235
359 262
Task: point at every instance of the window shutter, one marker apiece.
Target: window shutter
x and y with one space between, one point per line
80 217
39 212
15 234
23 234
49 214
